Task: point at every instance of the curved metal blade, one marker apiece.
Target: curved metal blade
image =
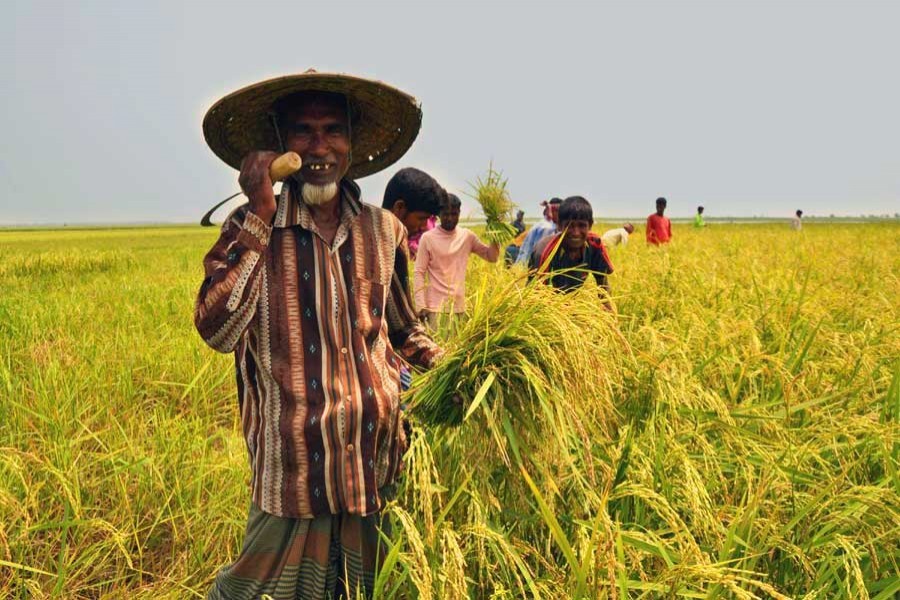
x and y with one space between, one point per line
205 221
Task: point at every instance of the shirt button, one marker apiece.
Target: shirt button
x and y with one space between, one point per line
349 447
343 351
349 398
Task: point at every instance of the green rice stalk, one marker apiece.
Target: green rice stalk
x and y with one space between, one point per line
491 193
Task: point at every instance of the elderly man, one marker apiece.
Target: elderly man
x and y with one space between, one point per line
310 292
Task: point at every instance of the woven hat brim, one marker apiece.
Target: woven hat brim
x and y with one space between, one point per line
386 121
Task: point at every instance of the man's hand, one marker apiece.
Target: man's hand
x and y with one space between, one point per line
257 185
423 314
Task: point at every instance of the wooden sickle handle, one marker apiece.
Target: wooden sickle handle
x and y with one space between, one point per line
284 166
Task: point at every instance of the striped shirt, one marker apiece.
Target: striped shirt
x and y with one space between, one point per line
318 332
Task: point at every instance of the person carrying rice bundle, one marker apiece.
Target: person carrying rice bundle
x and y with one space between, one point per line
567 258
310 292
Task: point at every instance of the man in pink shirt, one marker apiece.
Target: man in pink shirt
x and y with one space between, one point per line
442 259
659 228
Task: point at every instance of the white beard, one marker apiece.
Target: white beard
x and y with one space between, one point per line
315 195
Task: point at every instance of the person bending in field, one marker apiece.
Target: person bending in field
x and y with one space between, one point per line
439 278
659 228
797 221
310 293
618 236
567 258
545 228
414 197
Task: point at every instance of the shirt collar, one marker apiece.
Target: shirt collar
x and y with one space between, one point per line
293 212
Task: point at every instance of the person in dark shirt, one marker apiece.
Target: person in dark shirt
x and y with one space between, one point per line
519 223
567 258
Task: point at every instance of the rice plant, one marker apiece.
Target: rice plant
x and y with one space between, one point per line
491 194
733 431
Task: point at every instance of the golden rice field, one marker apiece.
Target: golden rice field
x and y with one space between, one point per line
732 432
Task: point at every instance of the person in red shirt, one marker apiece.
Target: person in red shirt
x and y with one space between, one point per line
659 228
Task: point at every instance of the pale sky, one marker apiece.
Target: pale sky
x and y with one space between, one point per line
749 108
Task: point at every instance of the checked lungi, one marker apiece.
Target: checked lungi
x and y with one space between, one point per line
323 558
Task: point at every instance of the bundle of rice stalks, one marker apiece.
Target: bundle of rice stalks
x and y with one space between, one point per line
492 195
522 348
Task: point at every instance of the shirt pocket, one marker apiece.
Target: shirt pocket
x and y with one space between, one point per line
369 301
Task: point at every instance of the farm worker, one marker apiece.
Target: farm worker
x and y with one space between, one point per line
519 223
566 259
542 229
415 198
439 278
698 218
797 221
659 228
310 292
618 236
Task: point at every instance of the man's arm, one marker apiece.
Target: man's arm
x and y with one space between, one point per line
423 260
229 294
228 297
651 233
407 334
489 253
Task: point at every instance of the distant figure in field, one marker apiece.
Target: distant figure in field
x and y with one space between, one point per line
567 263
659 228
545 228
413 196
519 223
617 237
443 256
698 219
797 221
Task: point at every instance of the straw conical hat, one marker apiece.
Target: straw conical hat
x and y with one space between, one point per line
385 124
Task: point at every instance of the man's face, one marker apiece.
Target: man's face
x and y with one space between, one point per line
576 234
449 216
629 228
660 208
318 131
415 221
